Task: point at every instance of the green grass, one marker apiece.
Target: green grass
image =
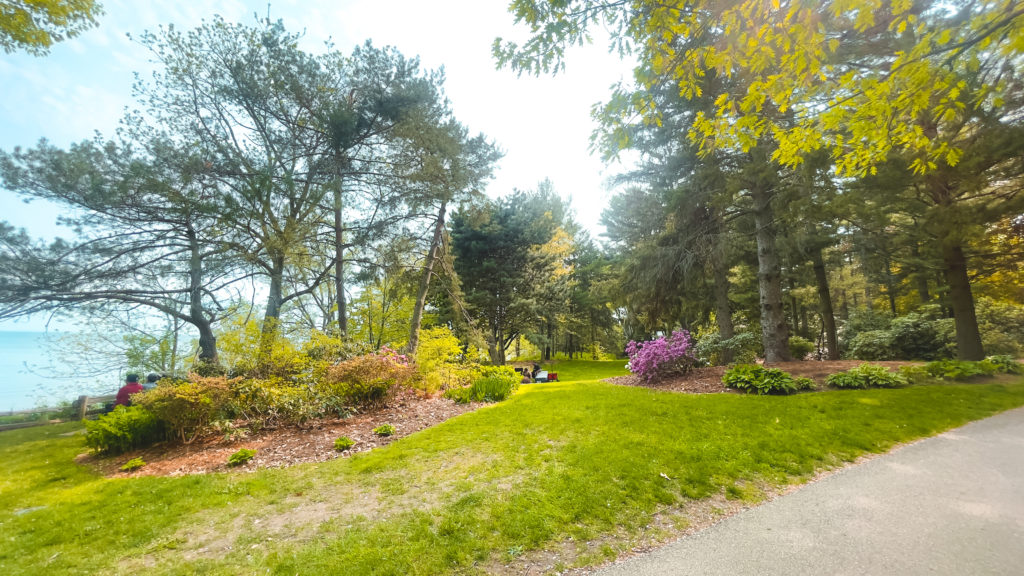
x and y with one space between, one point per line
581 370
560 460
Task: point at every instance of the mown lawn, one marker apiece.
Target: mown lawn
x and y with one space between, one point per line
560 460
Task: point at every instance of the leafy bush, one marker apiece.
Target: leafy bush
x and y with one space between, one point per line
754 378
1006 364
800 348
1002 326
921 335
867 376
440 362
711 348
370 380
493 384
186 407
133 465
915 374
804 383
960 369
343 443
272 401
124 429
872 345
384 430
662 357
241 457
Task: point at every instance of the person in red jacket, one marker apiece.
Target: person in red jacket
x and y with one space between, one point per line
131 386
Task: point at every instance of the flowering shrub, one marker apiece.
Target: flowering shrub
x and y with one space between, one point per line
662 357
367 380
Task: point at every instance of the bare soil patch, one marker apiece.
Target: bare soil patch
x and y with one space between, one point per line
287 445
708 379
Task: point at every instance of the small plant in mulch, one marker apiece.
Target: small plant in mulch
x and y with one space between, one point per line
241 457
384 430
133 465
343 443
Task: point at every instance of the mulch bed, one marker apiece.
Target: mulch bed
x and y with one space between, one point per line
708 379
286 445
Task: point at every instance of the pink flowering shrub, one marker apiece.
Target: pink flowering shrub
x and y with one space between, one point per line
662 357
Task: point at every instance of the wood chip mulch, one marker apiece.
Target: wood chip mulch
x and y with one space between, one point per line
708 379
286 445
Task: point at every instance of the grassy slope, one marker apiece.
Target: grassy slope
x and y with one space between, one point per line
557 460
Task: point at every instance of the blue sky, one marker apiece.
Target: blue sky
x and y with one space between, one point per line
543 124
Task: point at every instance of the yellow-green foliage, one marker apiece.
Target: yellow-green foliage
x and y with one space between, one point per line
240 351
272 400
440 362
186 407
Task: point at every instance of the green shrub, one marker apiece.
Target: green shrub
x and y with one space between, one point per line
867 376
241 457
124 429
494 384
754 378
804 383
711 349
915 374
960 369
872 345
800 348
186 407
133 465
384 430
440 362
343 443
272 401
1006 364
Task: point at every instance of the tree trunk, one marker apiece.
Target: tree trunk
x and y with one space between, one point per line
723 310
968 337
428 270
339 261
774 331
272 315
828 318
207 340
920 278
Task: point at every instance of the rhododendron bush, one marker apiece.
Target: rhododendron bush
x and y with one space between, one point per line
662 357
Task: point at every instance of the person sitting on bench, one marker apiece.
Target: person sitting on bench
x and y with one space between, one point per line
131 386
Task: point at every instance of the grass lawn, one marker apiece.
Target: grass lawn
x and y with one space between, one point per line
581 460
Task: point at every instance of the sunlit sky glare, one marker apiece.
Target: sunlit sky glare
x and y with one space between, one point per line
543 124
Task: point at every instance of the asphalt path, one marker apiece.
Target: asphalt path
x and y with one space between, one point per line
952 504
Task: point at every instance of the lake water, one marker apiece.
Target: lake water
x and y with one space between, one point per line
26 379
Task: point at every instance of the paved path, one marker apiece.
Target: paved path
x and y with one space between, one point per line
953 504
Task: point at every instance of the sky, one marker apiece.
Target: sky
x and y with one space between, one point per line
543 124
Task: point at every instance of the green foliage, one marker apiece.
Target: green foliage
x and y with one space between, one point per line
920 335
744 347
343 443
440 362
867 376
493 384
754 378
384 430
1006 364
1002 326
915 374
133 465
370 380
960 369
271 401
241 457
124 429
800 348
186 407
